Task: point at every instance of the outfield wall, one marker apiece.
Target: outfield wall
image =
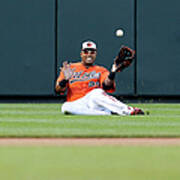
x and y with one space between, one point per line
37 35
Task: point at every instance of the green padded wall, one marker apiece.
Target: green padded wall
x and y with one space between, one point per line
158 47
97 20
27 58
28 43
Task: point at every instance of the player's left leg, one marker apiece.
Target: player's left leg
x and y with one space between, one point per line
100 98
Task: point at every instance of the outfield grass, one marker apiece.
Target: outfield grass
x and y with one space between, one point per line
46 120
90 163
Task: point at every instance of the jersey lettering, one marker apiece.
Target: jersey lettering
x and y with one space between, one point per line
85 77
93 84
77 75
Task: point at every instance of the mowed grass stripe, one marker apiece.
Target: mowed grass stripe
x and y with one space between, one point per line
38 120
121 123
28 112
155 111
68 133
30 105
57 106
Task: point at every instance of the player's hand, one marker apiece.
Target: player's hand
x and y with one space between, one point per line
115 67
66 70
121 66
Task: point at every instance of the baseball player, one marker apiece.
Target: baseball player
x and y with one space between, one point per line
87 84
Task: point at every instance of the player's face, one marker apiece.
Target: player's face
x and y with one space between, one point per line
88 56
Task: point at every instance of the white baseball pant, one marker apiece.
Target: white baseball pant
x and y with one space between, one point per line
96 102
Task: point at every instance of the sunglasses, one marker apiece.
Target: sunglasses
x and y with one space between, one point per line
91 51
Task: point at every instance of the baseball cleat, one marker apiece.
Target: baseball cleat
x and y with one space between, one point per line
137 111
67 113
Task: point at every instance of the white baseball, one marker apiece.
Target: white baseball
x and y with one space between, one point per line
119 33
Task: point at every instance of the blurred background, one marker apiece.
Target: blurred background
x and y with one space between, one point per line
36 36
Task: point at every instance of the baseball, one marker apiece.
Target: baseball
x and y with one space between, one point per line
119 33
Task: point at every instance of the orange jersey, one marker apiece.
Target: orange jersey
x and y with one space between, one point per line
84 80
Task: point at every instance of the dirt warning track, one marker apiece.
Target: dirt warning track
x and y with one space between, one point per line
89 141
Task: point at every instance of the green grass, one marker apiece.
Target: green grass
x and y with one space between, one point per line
90 163
46 120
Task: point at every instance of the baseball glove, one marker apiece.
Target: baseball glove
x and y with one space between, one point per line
124 58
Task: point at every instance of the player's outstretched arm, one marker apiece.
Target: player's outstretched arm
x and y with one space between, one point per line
65 74
109 81
66 70
122 61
